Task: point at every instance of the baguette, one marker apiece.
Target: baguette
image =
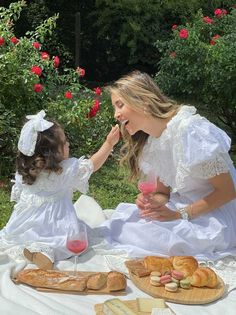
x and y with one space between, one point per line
52 279
116 281
96 281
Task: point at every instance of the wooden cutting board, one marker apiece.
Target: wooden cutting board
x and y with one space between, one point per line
193 295
130 303
103 290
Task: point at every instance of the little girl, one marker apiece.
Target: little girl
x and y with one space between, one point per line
44 183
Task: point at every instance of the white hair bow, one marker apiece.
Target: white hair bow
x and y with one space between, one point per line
29 132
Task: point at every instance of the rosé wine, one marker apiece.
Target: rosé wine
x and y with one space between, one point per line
76 246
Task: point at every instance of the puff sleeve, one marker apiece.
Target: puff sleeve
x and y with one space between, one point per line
16 188
77 173
205 149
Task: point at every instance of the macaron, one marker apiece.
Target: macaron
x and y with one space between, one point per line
175 280
185 284
171 287
155 280
177 274
165 279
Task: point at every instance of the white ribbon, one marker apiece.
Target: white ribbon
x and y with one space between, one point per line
29 132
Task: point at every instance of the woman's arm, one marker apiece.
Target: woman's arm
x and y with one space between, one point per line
224 191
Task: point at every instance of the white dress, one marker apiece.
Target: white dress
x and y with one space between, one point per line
44 212
188 152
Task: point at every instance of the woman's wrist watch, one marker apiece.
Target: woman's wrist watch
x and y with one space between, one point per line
184 213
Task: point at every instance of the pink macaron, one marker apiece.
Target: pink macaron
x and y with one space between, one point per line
177 274
165 279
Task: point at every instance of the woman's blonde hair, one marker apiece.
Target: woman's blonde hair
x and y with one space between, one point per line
139 91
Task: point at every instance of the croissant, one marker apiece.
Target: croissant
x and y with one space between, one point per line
186 264
204 277
161 264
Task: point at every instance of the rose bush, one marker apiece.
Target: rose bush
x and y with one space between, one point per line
31 81
198 65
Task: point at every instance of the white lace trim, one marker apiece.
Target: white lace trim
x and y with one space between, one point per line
211 168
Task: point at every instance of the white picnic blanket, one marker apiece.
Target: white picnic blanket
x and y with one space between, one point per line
24 300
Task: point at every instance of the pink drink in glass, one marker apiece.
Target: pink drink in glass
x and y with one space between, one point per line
76 246
147 187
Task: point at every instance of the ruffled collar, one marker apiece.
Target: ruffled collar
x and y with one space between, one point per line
170 130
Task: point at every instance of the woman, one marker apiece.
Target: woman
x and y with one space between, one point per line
193 211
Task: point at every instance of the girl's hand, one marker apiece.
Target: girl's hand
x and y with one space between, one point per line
113 136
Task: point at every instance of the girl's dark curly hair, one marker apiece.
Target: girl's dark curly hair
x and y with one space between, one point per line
47 156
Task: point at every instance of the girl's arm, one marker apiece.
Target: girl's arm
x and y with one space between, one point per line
102 154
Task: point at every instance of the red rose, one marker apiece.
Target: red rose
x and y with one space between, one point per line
224 12
56 61
2 41
183 33
173 54
44 55
98 91
14 40
36 70
214 38
38 87
218 12
94 109
68 94
174 27
80 71
36 45
207 20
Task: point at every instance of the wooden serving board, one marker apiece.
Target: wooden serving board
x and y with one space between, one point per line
103 290
193 295
130 303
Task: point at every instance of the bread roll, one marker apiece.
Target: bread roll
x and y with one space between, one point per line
161 264
116 281
52 279
137 268
186 264
96 281
204 277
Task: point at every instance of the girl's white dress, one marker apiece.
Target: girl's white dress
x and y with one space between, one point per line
44 212
189 152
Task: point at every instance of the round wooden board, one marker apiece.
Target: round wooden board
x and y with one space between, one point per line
193 295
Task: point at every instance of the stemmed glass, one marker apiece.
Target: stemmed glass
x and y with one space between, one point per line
77 243
147 183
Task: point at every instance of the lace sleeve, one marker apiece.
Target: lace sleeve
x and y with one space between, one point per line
211 168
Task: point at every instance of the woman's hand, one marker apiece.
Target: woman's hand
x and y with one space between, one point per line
161 214
153 207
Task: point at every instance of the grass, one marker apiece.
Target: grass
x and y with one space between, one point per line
109 186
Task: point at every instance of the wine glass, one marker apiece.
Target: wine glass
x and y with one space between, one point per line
77 243
147 183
